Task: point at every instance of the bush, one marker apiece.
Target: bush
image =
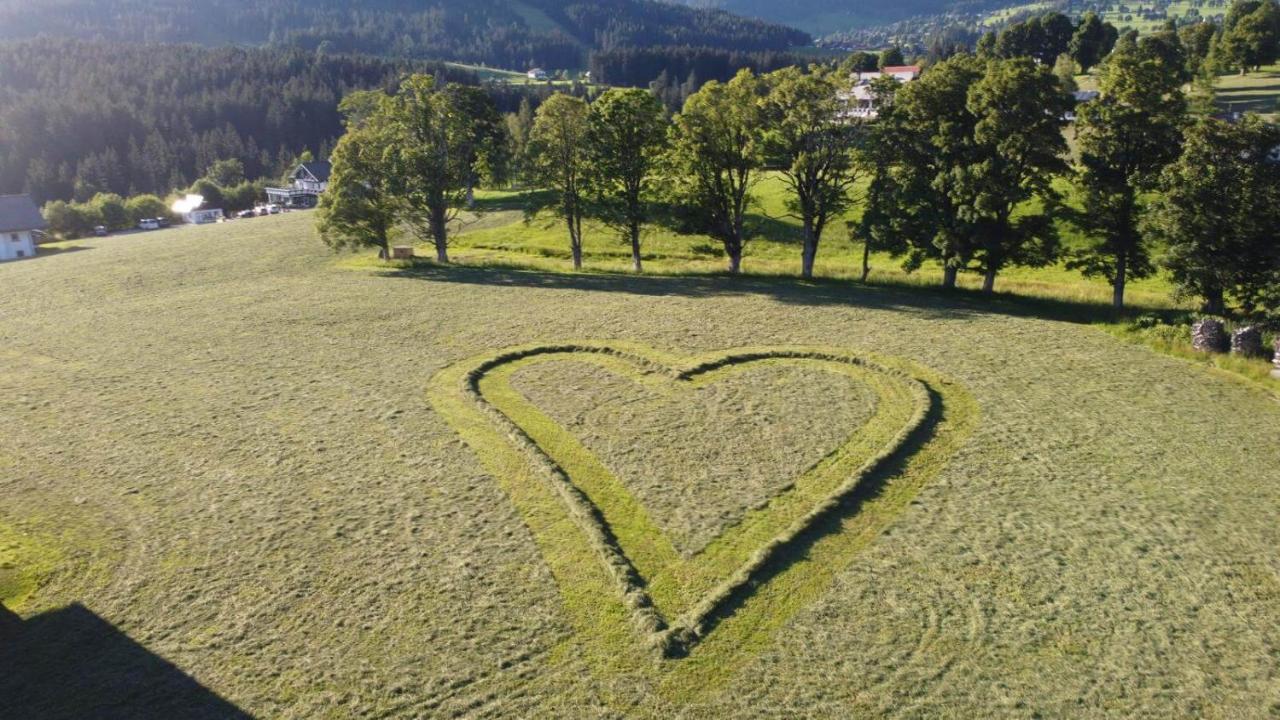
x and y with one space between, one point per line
146 206
109 210
67 220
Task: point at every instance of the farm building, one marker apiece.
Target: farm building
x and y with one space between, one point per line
309 182
20 219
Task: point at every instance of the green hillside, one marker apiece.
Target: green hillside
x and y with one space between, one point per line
499 33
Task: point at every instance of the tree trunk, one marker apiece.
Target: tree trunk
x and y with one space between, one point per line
866 259
1214 301
808 255
949 274
575 241
440 234
989 281
635 248
1117 285
384 250
734 251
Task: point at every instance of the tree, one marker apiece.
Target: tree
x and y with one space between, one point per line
212 193
813 145
109 209
441 136
1092 41
68 220
877 154
1018 148
859 61
558 159
927 138
1125 138
225 173
359 208
1065 70
890 57
1057 31
145 206
1217 210
625 139
519 127
716 153
1197 42
1251 34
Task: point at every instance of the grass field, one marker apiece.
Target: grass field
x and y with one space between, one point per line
241 472
1257 92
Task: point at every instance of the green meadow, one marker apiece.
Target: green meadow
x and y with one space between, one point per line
325 486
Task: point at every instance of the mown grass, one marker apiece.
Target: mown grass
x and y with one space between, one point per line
224 438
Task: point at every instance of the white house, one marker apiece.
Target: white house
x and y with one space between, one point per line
20 219
310 180
901 73
861 102
537 74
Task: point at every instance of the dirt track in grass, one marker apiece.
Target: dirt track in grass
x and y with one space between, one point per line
218 442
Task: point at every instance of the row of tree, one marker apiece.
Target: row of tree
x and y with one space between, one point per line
959 168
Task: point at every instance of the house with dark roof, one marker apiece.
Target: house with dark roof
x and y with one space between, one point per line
20 220
307 183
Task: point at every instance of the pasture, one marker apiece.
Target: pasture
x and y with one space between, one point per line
312 486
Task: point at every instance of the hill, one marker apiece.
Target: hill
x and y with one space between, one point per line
822 18
80 117
513 34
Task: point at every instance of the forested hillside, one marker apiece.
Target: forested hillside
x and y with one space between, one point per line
514 34
80 117
826 18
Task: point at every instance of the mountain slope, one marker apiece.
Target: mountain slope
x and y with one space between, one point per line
505 33
827 17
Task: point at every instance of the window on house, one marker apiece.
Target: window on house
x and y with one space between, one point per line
13 237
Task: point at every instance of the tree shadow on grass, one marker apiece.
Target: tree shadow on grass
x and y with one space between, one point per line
926 301
70 663
45 251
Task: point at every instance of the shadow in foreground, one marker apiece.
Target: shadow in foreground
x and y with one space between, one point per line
70 663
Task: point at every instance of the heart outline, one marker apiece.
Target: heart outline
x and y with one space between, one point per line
672 638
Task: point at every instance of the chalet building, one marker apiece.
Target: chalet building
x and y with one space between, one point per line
861 101
20 220
309 181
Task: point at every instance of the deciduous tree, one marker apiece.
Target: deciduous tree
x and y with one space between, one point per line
360 207
1125 137
559 161
813 144
626 137
716 155
1217 209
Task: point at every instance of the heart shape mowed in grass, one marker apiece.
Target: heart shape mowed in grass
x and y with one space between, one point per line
674 600
699 454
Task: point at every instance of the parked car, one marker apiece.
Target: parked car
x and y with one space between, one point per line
273 209
148 224
246 214
100 231
163 221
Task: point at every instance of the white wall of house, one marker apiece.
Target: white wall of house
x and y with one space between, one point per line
17 244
